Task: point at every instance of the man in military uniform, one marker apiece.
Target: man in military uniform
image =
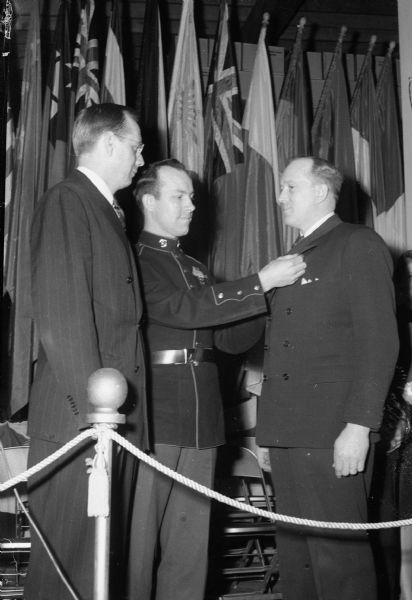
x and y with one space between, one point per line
184 311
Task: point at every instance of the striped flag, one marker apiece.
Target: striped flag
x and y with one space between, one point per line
262 230
185 107
151 91
85 82
56 144
6 17
224 152
332 134
293 115
25 193
366 141
8 191
391 222
113 83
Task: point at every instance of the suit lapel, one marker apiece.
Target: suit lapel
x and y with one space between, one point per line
311 241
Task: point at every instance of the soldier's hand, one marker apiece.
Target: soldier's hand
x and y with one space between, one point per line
285 270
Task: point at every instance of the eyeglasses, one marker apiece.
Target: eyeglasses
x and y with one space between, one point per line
137 147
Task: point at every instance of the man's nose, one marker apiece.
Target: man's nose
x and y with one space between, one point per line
282 196
189 204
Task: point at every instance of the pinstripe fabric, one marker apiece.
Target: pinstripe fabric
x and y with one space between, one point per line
87 307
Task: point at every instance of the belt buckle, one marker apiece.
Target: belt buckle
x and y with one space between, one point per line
189 354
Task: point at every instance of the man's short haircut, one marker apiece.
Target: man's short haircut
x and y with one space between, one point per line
95 120
148 183
327 173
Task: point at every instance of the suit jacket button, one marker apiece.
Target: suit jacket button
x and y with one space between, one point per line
130 279
136 369
288 311
285 376
266 347
264 378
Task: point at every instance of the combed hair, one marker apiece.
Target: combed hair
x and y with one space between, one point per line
327 173
95 120
148 183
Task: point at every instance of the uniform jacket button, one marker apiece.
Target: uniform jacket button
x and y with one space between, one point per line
288 311
264 378
130 279
285 376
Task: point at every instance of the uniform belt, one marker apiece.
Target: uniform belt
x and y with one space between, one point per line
183 356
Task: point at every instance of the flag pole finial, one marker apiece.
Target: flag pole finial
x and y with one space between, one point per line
265 19
302 23
372 43
342 33
391 48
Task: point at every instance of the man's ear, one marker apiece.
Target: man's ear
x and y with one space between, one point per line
148 201
108 140
322 192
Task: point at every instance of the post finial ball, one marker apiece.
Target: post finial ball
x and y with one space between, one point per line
106 389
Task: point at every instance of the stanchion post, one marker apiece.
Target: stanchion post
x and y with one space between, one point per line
107 390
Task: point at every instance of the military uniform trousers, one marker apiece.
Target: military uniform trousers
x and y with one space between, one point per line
170 527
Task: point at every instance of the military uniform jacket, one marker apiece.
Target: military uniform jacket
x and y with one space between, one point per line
183 305
87 307
331 340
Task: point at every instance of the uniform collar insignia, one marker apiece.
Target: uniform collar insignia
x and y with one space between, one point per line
155 241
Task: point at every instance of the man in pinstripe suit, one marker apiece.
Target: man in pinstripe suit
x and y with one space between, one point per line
87 308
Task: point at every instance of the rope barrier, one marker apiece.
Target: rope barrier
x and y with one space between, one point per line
271 516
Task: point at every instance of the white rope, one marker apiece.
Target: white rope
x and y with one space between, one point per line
87 433
271 516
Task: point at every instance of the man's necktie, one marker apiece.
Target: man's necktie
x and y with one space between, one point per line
119 212
295 243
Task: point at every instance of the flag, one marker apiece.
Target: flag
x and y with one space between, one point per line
185 108
332 134
5 37
391 222
56 143
224 154
366 141
26 168
113 84
262 229
8 189
293 115
85 82
151 91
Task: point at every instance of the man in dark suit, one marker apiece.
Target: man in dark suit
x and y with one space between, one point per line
185 314
330 352
87 308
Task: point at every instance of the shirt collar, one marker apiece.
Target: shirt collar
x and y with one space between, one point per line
317 224
98 182
158 242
